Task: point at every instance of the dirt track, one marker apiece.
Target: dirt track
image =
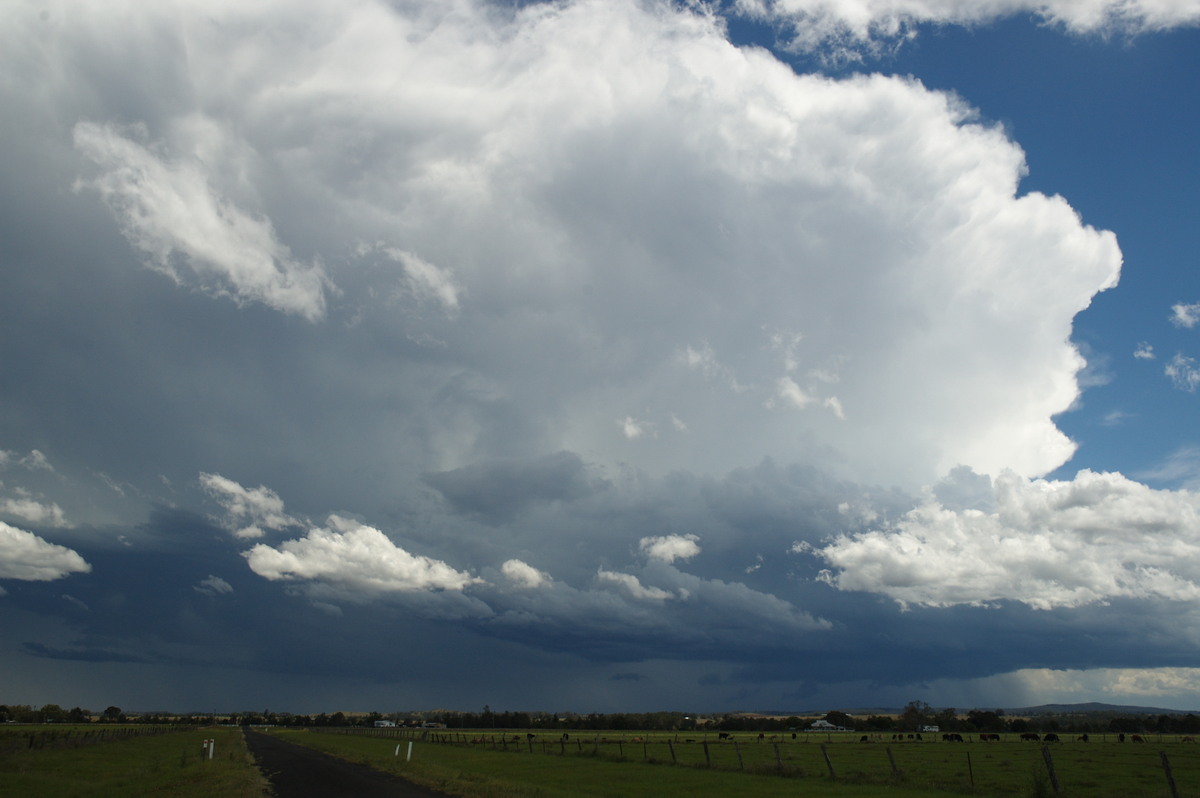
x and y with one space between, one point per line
298 772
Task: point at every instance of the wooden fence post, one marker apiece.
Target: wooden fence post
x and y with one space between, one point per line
1170 776
738 751
707 760
671 745
778 761
970 770
1050 768
828 764
896 770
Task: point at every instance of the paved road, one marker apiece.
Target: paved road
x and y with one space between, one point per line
299 772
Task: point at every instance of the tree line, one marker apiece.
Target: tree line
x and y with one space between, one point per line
916 716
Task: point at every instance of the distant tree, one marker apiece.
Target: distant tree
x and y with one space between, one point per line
986 721
78 715
52 713
113 715
916 714
838 718
946 719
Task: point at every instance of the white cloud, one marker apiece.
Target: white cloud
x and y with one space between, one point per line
35 512
1185 315
634 586
34 461
855 24
642 215
168 208
25 556
669 548
356 557
1184 372
1047 544
213 586
1144 351
793 394
247 510
525 575
427 281
633 428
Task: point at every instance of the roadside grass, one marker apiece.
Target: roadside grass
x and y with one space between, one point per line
158 765
592 769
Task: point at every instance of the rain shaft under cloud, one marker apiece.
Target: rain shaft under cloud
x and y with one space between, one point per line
594 339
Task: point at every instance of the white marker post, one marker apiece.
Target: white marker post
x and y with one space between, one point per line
409 757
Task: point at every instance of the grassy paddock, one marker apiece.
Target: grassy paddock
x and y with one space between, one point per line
494 763
160 764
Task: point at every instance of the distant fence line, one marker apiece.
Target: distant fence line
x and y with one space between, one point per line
53 739
762 753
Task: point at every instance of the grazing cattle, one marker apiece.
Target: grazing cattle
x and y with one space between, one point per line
952 737
988 737
1051 738
919 737
1030 736
863 739
722 735
566 737
1137 738
1121 737
530 737
1083 738
1188 740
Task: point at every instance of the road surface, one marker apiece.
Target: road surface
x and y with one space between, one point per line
299 772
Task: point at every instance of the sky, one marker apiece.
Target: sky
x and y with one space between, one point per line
599 355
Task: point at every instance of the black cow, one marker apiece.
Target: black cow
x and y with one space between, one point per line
952 737
1137 738
1050 738
722 735
987 737
1030 736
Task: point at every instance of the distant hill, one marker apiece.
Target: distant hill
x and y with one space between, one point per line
1091 707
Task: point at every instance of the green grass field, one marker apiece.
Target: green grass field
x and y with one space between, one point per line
160 765
614 764
496 764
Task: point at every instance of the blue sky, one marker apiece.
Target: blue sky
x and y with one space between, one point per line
599 356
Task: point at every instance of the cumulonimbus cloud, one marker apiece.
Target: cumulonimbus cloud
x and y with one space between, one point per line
580 213
1047 544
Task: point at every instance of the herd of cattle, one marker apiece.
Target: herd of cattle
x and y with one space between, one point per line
988 737
949 737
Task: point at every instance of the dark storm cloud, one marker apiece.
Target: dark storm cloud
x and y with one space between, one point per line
498 492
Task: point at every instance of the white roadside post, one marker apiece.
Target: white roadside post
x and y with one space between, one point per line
409 757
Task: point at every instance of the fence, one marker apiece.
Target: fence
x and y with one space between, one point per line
1161 765
54 739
